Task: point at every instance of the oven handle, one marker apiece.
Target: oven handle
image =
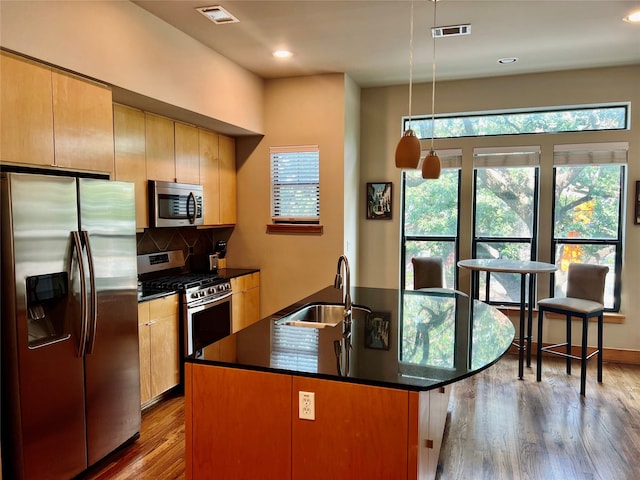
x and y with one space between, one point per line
204 304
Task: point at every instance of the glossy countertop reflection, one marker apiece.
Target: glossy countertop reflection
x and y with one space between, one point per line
413 340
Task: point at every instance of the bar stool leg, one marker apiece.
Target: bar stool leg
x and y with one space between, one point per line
522 345
583 356
539 348
568 347
530 301
600 322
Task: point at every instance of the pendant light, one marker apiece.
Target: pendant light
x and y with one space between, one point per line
431 163
408 148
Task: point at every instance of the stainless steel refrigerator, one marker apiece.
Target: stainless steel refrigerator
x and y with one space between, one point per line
70 365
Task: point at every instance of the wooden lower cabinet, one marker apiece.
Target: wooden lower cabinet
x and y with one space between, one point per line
223 350
246 301
244 424
158 333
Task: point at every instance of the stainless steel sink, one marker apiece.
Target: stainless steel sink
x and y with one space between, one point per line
321 315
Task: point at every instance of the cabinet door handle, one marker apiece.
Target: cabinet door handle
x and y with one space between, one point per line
152 322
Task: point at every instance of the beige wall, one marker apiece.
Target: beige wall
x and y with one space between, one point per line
352 191
121 44
382 109
298 111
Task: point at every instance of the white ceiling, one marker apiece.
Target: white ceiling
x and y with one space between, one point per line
369 40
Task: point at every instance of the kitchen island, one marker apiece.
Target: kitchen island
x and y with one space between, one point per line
383 418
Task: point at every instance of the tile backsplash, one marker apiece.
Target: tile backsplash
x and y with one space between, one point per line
196 244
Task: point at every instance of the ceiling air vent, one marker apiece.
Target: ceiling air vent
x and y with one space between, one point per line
217 15
450 31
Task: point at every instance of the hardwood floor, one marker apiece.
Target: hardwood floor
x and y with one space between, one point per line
499 428
504 428
157 455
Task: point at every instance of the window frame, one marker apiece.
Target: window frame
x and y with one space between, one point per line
533 240
427 119
290 151
429 238
618 242
293 225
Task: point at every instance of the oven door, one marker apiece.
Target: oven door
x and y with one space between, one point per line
206 323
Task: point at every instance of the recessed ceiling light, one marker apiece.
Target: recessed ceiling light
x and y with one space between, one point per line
507 60
217 14
632 17
282 54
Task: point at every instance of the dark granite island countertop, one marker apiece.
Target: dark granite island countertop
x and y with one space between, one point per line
431 340
248 397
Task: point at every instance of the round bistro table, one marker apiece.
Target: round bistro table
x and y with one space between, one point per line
524 268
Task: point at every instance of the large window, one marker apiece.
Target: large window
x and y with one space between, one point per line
582 209
587 206
505 220
430 222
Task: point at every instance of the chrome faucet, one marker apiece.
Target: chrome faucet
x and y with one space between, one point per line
346 324
338 283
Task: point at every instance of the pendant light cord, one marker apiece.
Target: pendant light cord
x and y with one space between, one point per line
433 77
410 63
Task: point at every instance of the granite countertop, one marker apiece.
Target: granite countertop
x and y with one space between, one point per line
428 342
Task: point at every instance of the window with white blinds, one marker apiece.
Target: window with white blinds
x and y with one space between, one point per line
295 184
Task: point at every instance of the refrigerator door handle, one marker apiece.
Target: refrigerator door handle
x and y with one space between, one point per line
92 325
83 295
192 197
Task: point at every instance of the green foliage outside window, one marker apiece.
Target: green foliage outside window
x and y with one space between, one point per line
517 123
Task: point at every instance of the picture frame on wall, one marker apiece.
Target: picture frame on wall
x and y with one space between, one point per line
379 200
377 329
636 218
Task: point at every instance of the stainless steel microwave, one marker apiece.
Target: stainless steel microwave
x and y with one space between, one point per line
174 204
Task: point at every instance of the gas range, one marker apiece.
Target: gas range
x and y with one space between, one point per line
205 298
199 287
193 286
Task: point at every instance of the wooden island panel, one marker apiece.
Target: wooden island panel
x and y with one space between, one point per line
360 431
237 424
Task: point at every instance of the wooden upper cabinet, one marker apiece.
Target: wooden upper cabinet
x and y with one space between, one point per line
26 113
228 201
160 147
130 163
82 123
187 154
209 176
